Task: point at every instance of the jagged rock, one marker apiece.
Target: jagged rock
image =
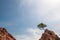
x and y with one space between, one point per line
4 35
49 35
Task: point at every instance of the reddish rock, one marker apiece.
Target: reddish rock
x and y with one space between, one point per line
4 35
49 35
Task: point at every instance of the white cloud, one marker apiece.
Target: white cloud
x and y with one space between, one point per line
49 10
35 35
46 9
23 37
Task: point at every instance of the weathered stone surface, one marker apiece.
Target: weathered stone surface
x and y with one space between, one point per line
49 35
4 35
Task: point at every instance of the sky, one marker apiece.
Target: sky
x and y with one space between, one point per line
21 17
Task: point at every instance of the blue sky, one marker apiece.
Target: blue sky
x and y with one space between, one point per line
21 17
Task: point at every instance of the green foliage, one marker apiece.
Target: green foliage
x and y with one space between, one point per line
41 26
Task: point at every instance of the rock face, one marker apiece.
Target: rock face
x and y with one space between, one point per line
4 35
49 35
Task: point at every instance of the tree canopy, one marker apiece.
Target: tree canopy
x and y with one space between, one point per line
41 26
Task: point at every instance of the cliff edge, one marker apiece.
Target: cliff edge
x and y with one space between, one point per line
49 35
4 35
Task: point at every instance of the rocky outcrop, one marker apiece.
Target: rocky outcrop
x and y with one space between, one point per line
49 35
4 35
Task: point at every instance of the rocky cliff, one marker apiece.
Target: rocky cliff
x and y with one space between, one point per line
4 35
49 35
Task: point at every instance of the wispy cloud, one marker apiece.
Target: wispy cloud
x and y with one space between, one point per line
23 37
35 35
25 2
